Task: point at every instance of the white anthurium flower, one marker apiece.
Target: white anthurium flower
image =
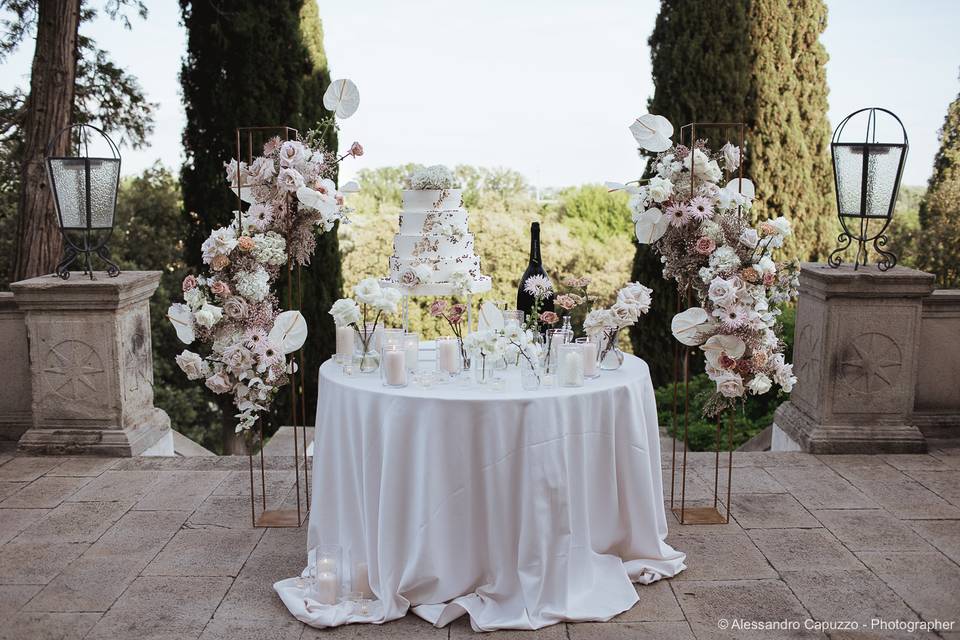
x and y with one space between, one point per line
652 132
246 194
651 225
721 344
690 326
322 202
342 97
743 186
289 331
351 187
181 316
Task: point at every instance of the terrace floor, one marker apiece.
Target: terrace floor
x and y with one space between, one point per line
163 548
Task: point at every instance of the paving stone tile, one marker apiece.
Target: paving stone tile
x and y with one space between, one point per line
162 608
770 510
927 582
871 530
803 550
908 499
27 468
5 457
14 596
83 466
945 484
695 489
47 626
852 460
914 462
409 627
36 563
859 475
707 603
821 489
13 521
657 604
461 629
854 595
223 511
44 493
942 534
9 488
252 597
237 483
221 629
74 522
210 551
712 556
97 578
117 486
630 631
781 459
180 490
745 480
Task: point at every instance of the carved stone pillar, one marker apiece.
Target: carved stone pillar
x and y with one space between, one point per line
856 355
91 364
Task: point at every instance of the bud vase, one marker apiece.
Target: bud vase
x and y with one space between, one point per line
365 357
531 376
611 357
483 368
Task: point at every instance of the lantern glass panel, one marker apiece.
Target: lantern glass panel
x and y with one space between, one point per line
883 163
69 179
104 173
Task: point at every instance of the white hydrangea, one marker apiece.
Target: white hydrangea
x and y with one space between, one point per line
270 248
253 285
220 243
724 259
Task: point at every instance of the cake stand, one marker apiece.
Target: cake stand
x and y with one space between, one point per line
480 285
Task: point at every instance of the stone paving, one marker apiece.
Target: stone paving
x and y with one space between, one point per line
150 548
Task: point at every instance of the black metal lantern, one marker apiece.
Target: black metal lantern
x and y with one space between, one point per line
85 194
867 178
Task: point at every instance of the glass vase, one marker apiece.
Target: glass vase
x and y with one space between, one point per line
366 358
530 374
611 357
483 368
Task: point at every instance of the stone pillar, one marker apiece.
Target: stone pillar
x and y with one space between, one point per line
937 408
15 391
856 353
91 364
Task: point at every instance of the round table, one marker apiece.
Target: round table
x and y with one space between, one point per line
519 508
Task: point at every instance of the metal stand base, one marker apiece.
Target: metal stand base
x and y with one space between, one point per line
700 515
279 518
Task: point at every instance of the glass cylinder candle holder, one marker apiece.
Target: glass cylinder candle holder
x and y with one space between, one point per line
392 337
393 366
555 338
411 348
360 578
377 332
324 571
530 374
345 344
449 359
483 367
591 356
515 315
570 365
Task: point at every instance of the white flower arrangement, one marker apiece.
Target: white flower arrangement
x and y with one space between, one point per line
369 298
436 177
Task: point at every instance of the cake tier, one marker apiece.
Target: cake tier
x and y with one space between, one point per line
432 245
421 222
432 199
440 268
480 285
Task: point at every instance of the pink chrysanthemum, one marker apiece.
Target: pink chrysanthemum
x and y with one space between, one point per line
268 356
679 214
255 339
733 317
701 208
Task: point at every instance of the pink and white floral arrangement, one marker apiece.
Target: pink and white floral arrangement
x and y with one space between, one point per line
232 309
703 234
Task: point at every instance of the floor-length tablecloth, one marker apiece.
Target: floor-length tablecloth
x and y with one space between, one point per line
522 509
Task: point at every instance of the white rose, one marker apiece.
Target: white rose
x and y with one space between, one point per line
345 312
731 156
262 170
596 320
237 357
712 172
638 294
221 242
289 179
765 265
782 226
367 291
722 292
659 189
292 153
783 374
388 300
626 312
219 383
208 315
749 238
760 384
729 384
192 364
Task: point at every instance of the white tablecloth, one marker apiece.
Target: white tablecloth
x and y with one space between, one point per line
522 509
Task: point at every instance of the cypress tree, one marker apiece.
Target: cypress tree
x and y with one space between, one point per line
249 66
939 250
758 62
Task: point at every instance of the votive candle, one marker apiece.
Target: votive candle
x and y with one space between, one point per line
589 348
570 365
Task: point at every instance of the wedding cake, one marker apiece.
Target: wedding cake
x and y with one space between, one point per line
433 252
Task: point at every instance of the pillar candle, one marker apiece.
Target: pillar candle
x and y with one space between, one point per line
361 579
395 367
589 350
447 355
570 367
327 588
344 343
411 346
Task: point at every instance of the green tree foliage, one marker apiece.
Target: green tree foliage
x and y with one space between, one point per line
759 62
249 67
939 245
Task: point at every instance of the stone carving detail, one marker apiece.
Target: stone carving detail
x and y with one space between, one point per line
870 363
808 348
137 354
73 370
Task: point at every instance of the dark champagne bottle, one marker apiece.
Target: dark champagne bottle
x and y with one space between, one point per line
534 268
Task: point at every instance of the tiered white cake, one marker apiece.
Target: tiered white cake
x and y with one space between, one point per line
433 251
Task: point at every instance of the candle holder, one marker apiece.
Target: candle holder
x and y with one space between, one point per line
366 355
555 338
392 337
411 347
449 358
591 356
393 366
570 365
324 573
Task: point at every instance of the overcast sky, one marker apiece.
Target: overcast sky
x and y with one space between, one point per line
546 87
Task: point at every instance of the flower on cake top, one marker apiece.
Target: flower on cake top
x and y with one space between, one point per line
433 177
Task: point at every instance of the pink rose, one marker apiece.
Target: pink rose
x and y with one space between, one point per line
356 150
219 262
570 281
584 281
767 229
189 283
705 246
437 308
566 301
549 317
220 288
769 278
219 383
